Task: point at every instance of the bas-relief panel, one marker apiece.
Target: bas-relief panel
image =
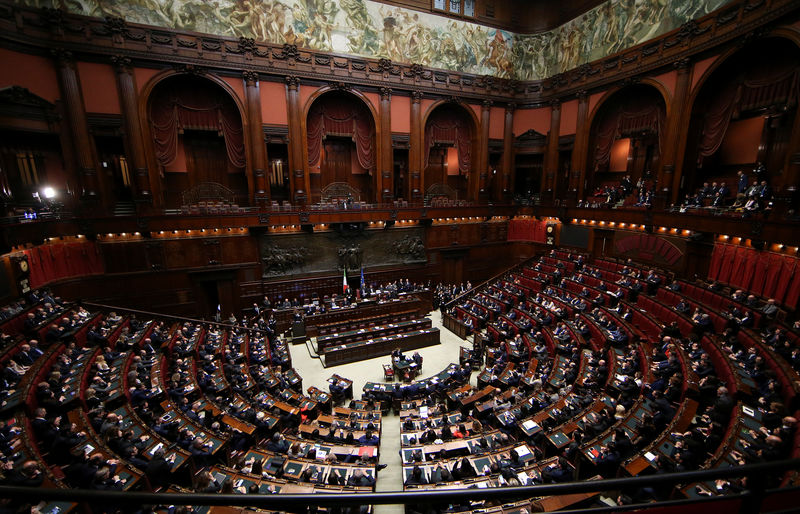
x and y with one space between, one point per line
372 29
295 254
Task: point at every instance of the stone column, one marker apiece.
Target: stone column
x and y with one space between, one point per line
298 179
507 191
88 169
416 149
128 98
668 179
551 161
260 190
483 155
578 171
386 165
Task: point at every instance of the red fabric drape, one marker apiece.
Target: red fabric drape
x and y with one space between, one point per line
787 270
793 294
773 275
455 131
54 262
341 119
632 119
737 278
746 280
760 274
726 266
176 107
773 86
716 262
527 230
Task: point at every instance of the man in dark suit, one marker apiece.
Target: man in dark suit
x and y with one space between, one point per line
159 469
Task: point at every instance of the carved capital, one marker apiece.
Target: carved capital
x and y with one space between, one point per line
416 96
63 57
386 93
122 64
682 64
250 77
555 104
582 95
487 104
511 107
293 82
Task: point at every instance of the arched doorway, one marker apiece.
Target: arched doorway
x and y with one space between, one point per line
449 150
197 138
625 139
340 131
743 117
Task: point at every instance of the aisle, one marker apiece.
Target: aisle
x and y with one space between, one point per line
435 359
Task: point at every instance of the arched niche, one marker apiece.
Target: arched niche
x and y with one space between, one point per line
196 133
449 149
341 145
626 133
743 117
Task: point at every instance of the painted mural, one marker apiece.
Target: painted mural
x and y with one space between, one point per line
371 29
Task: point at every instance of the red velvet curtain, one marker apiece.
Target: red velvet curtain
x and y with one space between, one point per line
716 262
793 294
631 119
341 119
766 274
176 107
54 262
455 131
737 277
760 274
773 86
527 230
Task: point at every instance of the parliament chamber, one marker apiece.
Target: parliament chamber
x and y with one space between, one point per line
392 256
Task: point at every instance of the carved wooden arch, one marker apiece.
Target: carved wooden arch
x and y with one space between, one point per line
316 95
779 33
665 95
145 93
648 81
474 175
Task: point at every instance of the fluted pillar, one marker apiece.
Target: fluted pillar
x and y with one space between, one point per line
550 178
483 153
126 87
259 189
299 178
416 151
88 169
508 157
669 175
385 179
579 151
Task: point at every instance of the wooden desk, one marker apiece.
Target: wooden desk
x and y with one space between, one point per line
381 346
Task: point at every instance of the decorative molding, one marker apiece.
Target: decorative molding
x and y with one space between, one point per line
386 93
122 64
250 77
293 82
191 69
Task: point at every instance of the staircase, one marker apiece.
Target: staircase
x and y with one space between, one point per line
125 208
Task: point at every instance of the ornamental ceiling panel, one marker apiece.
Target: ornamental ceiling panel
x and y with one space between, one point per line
375 30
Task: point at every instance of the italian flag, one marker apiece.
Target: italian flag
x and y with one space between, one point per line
344 281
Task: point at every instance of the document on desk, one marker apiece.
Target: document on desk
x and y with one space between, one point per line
529 425
423 412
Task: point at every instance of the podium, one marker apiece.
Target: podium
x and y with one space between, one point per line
298 332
